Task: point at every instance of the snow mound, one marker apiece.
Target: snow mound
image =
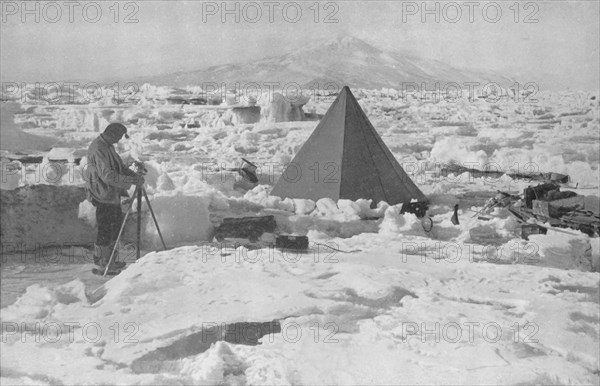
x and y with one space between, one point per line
398 224
38 302
87 212
560 250
182 219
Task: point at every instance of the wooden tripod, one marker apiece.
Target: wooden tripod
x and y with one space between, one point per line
139 190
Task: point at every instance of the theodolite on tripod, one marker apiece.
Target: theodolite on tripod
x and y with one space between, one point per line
137 196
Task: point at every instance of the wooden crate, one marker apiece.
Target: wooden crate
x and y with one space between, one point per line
245 227
291 242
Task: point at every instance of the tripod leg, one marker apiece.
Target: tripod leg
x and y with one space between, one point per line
139 220
154 218
112 255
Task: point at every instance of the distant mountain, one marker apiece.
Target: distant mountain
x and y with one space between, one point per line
344 60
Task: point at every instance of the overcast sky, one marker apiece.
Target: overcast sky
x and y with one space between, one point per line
559 44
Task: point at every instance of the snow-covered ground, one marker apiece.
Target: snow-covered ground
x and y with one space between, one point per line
392 305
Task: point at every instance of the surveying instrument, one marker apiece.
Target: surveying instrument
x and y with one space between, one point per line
137 197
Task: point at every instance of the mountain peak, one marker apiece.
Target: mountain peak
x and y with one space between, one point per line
342 60
346 40
343 42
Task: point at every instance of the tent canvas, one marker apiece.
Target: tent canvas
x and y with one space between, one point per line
345 158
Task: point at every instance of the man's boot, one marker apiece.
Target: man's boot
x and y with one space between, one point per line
117 264
98 249
102 257
104 252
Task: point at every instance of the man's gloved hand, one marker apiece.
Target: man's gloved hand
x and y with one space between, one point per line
140 168
126 201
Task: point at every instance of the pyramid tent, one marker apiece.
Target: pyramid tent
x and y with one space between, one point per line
345 158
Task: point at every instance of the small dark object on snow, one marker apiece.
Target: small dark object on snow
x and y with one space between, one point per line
291 242
419 209
532 229
248 171
245 227
427 224
454 218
